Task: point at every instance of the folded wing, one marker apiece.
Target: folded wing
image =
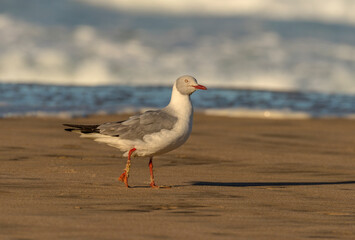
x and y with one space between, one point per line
136 127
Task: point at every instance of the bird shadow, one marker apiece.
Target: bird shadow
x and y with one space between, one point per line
161 186
265 184
247 184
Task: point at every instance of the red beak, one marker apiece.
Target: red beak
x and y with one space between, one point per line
200 87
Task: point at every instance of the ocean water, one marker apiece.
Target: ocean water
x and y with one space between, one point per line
246 45
258 58
71 101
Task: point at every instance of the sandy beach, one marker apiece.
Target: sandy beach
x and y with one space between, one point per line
235 178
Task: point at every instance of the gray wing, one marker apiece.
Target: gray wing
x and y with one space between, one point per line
139 125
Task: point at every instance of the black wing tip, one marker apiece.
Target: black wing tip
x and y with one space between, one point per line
82 128
69 129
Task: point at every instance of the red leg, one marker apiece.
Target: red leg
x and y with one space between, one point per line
152 183
124 176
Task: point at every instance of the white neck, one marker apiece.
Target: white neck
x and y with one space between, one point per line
180 104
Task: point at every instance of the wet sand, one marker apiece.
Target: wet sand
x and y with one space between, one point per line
233 179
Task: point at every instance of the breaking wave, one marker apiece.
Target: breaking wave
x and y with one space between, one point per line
118 43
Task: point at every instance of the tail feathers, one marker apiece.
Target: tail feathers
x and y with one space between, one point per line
82 128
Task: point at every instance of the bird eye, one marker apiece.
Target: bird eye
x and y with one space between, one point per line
186 80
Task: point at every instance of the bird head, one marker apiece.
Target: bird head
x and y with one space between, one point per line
186 85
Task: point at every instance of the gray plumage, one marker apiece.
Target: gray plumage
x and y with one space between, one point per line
139 125
135 127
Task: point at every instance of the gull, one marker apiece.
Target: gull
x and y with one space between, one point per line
151 133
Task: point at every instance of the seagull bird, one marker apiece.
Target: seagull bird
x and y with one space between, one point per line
151 133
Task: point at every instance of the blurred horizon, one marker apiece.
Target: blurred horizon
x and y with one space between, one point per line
256 44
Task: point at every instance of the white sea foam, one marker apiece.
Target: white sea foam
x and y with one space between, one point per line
330 11
43 114
254 113
245 54
350 116
227 112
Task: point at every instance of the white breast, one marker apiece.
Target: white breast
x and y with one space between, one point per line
166 140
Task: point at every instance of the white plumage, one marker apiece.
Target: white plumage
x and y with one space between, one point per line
151 133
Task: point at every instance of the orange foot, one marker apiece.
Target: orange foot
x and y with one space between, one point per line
152 185
123 178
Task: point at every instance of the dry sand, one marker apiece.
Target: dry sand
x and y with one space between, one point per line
233 179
